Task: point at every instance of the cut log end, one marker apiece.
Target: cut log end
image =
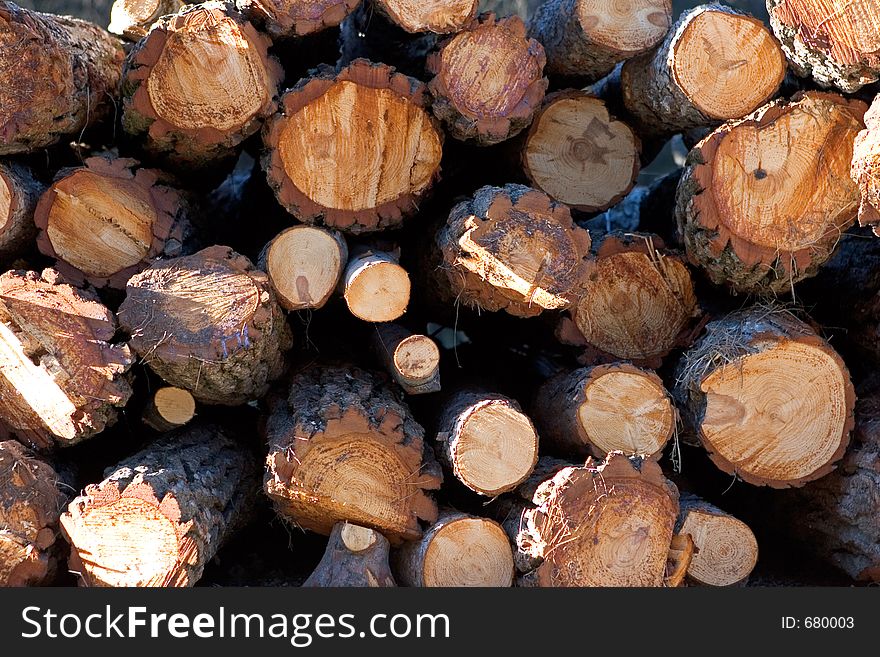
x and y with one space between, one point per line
169 409
412 359
19 193
726 548
355 557
630 28
865 170
132 19
437 16
376 287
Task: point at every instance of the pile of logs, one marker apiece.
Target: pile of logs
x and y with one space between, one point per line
390 273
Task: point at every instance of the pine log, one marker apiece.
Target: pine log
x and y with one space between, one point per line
787 164
579 154
836 43
169 408
488 80
30 505
602 524
19 193
208 323
584 39
412 359
768 398
607 408
375 287
458 550
649 209
486 442
197 85
510 248
437 16
635 302
304 265
132 19
726 548
107 220
355 557
865 170
678 561
61 377
282 19
378 153
161 515
343 447
59 76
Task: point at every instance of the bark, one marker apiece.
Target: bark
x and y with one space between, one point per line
413 360
375 287
169 408
19 193
649 209
355 557
285 19
132 19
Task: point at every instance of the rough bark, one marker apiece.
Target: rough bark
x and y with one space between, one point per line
132 19
412 359
169 408
19 193
375 287
355 557
284 19
649 209
865 170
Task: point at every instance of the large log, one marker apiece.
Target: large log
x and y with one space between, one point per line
19 193
355 557
132 19
865 170
788 164
716 63
30 505
343 447
283 19
107 220
488 80
58 76
378 150
375 287
208 323
61 376
412 359
768 398
159 516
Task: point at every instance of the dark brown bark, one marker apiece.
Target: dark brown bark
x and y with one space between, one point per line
19 193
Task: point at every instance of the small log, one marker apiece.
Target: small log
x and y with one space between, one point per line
283 19
197 85
343 447
487 442
208 323
107 220
602 524
579 154
19 193
413 360
169 408
304 265
836 45
510 248
607 408
30 505
132 19
355 557
649 209
768 398
458 550
163 513
375 287
488 80
635 301
865 170
716 63
726 548
59 76
789 164
585 39
61 377
681 554
437 16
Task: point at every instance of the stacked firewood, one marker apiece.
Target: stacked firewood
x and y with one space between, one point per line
395 260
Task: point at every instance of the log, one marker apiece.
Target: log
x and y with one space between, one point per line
159 516
412 359
585 39
378 155
437 16
285 19
580 155
486 442
355 557
304 265
649 209
19 193
726 548
208 323
510 248
681 554
59 76
197 85
716 63
865 170
132 19
606 408
30 505
835 44
788 163
635 301
602 524
169 408
343 447
375 287
768 398
107 220
488 80
61 376
458 550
